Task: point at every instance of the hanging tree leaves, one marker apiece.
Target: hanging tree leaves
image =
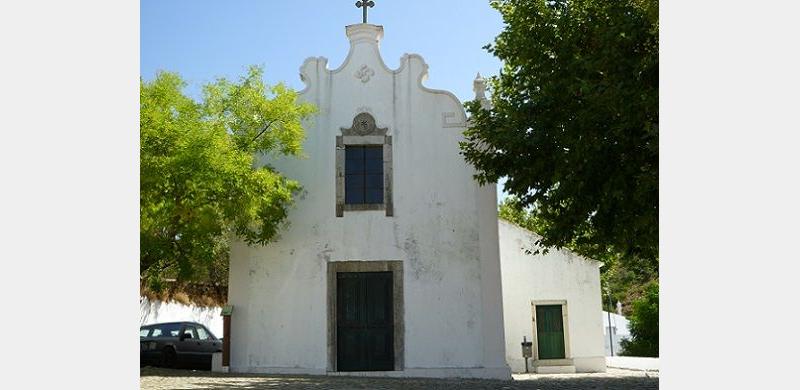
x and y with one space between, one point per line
199 181
574 122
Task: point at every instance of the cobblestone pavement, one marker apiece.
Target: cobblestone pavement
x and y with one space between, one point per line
614 379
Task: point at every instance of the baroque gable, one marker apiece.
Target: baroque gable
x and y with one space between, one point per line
368 79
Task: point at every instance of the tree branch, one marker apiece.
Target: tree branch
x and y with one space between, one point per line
261 132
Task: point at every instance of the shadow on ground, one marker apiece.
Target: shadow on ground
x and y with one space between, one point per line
160 379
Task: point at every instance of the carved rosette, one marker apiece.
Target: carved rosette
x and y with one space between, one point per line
364 124
364 73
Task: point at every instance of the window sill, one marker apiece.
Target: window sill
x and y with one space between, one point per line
364 207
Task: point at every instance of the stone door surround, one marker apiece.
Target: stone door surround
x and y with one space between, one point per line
393 266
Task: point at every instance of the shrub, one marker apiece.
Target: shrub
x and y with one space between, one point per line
644 325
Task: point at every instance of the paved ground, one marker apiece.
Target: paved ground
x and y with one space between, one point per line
614 379
632 363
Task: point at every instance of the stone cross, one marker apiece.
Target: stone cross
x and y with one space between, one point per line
364 5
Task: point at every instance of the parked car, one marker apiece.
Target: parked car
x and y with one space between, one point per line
177 345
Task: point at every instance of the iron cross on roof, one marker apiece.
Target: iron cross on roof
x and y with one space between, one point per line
364 5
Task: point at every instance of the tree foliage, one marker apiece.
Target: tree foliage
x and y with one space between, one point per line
643 325
574 123
199 181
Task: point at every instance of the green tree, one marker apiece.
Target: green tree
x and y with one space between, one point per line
200 183
574 123
643 325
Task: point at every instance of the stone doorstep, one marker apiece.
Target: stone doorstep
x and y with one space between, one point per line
377 374
554 369
554 366
552 362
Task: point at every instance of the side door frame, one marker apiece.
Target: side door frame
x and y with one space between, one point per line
565 324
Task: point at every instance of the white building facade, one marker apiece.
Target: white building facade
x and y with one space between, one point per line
619 329
391 264
549 286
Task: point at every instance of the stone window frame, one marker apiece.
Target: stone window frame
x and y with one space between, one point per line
567 360
364 132
398 310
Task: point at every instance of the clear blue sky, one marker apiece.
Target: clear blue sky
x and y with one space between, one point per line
206 39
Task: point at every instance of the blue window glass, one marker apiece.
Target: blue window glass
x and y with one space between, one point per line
374 181
354 153
354 167
354 197
354 181
373 153
373 167
374 195
363 179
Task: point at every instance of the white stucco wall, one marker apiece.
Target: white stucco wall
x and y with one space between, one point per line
619 331
558 275
444 231
157 311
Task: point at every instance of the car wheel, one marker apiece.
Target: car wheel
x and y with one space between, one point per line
169 358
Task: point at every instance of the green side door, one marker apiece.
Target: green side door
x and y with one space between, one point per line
550 332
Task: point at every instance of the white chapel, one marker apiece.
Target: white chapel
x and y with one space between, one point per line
394 262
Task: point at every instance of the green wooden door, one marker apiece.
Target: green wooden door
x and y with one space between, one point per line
550 331
364 321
